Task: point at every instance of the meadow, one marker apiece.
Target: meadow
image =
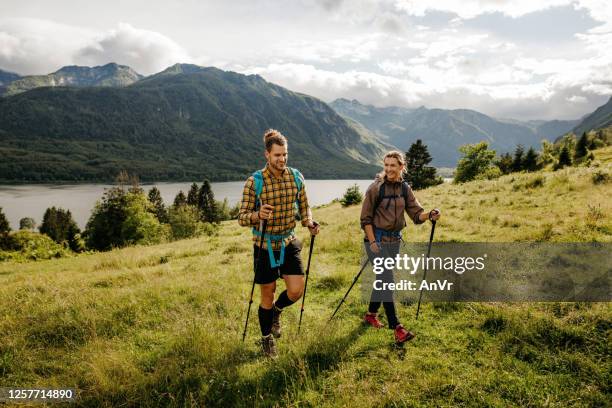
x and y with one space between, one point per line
161 325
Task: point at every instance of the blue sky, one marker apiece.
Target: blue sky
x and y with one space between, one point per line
549 59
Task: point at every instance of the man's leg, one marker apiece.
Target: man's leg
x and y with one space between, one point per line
265 307
295 288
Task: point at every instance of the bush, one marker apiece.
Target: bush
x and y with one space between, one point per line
600 177
141 226
122 218
490 174
476 161
27 223
28 245
352 196
185 223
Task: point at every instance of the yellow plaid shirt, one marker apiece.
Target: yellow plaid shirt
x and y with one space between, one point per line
280 193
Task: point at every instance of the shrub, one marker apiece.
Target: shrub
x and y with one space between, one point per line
28 245
27 223
600 177
352 196
476 160
185 222
122 218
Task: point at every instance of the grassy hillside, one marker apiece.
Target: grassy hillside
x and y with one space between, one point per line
162 325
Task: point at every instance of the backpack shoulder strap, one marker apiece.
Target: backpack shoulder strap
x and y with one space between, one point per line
405 187
258 184
379 198
297 176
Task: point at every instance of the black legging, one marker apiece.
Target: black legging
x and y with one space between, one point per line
389 249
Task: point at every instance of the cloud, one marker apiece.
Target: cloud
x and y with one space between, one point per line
145 51
330 5
472 8
353 49
34 46
547 99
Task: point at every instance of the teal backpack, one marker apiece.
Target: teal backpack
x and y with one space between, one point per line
259 184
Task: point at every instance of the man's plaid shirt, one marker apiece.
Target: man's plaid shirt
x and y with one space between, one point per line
280 193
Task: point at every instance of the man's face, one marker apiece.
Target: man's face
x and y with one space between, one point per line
277 157
392 168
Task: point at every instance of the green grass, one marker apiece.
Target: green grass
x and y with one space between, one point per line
162 325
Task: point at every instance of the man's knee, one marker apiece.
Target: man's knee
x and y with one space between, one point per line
294 293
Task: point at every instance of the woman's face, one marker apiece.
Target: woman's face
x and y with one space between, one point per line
393 169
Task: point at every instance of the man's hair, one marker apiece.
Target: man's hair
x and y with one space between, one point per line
272 137
401 159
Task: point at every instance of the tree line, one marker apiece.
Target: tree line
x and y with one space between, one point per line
126 215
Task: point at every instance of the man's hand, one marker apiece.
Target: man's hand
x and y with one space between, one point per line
265 212
313 227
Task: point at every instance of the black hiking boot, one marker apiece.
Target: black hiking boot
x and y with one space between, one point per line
268 347
276 326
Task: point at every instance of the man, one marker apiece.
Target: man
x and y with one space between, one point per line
271 194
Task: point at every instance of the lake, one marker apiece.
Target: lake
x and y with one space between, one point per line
32 200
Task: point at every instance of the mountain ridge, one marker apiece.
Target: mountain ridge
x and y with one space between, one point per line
111 75
187 126
445 130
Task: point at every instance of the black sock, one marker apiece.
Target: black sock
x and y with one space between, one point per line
265 320
283 301
391 316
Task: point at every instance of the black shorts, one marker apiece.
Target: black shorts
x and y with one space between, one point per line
292 265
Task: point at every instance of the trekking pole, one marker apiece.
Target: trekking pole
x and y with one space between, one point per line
257 265
312 238
349 290
433 227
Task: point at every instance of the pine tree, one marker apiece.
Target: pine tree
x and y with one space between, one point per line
58 224
564 158
581 147
504 163
159 209
180 199
207 203
517 162
192 195
530 162
418 174
4 224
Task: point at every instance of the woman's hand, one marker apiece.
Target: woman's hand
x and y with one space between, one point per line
434 215
374 247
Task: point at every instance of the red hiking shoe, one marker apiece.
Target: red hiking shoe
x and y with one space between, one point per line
402 335
372 321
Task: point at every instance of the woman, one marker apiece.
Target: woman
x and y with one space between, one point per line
382 219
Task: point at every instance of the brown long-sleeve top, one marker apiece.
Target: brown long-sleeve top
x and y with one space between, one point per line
390 212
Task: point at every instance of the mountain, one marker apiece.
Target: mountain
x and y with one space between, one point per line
602 117
107 75
445 130
6 78
185 123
